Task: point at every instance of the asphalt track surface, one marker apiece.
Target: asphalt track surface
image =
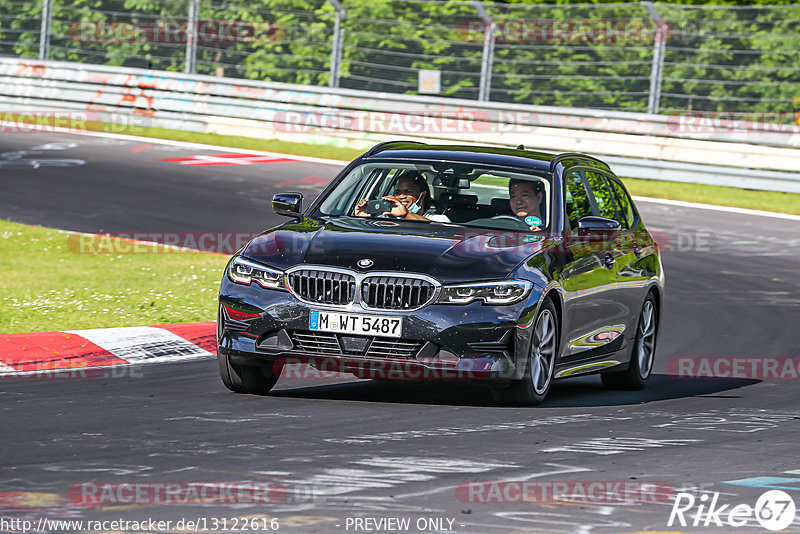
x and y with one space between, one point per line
347 449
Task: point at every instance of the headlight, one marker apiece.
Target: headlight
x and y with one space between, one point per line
497 293
245 272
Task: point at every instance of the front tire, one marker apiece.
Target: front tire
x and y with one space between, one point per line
245 378
642 354
533 387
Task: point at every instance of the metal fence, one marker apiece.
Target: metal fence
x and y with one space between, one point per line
648 57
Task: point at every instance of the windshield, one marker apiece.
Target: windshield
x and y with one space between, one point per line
443 192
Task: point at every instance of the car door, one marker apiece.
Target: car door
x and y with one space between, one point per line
623 292
586 280
633 266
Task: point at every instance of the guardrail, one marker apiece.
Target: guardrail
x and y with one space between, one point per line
639 145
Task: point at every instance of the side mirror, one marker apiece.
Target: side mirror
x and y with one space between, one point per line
590 222
288 204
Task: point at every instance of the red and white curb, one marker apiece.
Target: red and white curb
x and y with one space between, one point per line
23 354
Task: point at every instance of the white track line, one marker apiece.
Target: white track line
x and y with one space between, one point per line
714 207
341 163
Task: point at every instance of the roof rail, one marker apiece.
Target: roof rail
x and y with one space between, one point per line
556 160
380 147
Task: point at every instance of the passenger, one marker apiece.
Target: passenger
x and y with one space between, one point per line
525 199
411 200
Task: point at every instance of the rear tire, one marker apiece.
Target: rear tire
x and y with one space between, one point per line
245 378
533 387
643 351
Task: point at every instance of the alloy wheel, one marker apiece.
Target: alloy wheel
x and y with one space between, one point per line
543 349
646 340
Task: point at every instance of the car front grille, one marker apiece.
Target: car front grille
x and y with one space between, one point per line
393 348
328 344
380 291
324 287
396 292
316 343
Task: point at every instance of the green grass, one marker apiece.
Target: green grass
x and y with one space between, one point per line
48 285
713 194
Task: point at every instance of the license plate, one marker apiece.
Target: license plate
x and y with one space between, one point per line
348 323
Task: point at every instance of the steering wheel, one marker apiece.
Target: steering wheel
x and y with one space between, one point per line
507 217
519 223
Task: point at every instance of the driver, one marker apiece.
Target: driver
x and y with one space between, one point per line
411 200
525 199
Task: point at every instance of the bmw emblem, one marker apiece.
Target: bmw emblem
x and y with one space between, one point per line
365 263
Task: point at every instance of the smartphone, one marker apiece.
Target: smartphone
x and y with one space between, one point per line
376 207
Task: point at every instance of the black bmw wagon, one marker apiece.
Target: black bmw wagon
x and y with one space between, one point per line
508 266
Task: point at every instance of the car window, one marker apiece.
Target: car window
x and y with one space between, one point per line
624 203
601 195
458 193
577 200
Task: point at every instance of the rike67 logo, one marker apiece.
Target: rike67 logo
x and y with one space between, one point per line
774 510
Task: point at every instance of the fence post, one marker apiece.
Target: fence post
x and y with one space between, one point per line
191 37
44 35
487 58
337 44
657 70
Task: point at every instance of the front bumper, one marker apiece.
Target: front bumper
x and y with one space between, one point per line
471 341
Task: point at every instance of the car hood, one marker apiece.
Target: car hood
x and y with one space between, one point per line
446 252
